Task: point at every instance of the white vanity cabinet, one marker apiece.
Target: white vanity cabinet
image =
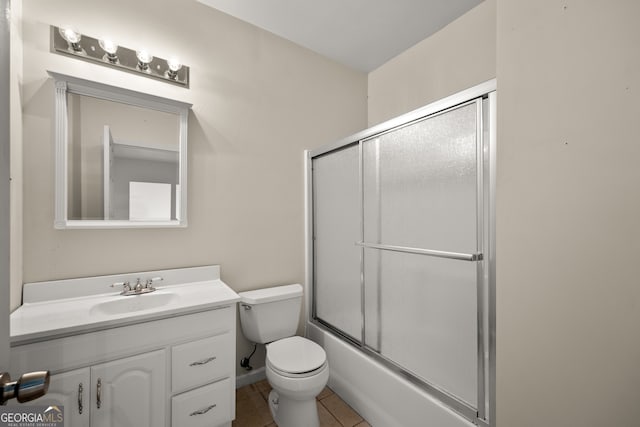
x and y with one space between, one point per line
177 371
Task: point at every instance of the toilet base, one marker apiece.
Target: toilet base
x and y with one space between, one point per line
293 413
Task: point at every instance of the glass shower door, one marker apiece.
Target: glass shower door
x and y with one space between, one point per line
420 207
336 228
403 250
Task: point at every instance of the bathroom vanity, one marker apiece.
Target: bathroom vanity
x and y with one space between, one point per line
164 358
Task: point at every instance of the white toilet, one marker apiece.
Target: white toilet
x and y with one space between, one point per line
297 368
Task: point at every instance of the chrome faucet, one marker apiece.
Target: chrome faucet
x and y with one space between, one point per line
139 288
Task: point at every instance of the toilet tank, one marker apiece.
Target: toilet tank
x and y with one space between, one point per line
270 314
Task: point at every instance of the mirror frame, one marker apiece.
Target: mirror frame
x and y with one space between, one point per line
64 85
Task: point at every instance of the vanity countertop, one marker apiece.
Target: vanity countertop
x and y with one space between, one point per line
43 318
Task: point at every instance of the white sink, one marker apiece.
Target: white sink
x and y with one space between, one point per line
133 303
76 306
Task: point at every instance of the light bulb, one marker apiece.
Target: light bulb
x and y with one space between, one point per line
110 48
144 58
174 66
72 37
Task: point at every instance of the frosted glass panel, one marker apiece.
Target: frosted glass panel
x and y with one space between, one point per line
420 184
337 220
425 317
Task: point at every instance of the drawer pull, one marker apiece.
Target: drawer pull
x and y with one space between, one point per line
203 361
203 411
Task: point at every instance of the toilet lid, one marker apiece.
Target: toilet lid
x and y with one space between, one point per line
295 355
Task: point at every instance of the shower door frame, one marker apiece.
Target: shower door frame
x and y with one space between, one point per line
484 414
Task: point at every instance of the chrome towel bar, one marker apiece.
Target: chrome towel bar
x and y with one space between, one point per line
418 251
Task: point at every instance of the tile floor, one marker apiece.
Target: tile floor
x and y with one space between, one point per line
252 409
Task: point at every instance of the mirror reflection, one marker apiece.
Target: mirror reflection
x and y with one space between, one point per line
123 161
121 157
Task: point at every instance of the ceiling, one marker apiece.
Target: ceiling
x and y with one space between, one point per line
362 34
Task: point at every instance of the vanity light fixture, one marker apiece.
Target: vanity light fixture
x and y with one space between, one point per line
104 51
110 49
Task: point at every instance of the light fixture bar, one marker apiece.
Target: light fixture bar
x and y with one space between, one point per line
125 59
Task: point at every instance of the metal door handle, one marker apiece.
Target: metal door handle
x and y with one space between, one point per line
29 386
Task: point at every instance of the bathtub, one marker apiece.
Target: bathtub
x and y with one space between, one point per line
382 397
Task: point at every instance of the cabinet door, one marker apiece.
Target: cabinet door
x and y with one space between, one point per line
129 392
71 391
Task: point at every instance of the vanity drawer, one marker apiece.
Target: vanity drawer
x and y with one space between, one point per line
201 362
207 406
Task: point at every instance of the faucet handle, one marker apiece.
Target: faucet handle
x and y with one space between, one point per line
150 282
126 286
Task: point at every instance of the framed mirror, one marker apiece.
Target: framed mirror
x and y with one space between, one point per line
121 157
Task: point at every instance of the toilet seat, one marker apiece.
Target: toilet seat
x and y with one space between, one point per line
295 357
301 375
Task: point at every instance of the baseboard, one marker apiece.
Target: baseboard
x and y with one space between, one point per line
251 377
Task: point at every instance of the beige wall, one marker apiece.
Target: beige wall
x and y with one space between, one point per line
568 206
568 299
258 102
459 56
